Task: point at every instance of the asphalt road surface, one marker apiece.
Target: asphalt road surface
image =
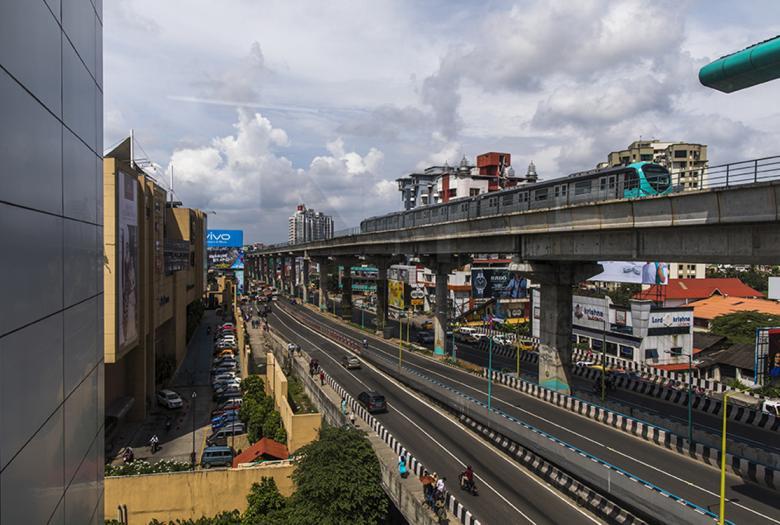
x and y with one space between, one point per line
684 477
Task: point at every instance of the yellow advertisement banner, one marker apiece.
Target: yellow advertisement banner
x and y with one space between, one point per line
395 294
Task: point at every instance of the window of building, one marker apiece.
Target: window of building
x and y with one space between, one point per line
453 193
424 199
596 344
680 154
676 351
646 157
612 348
651 353
626 352
582 187
583 339
473 192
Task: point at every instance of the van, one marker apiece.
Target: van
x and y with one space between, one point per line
216 456
466 334
220 437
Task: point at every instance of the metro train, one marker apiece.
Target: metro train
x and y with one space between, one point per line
637 180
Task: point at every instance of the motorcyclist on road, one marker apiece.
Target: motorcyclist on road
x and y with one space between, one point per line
467 479
154 443
365 344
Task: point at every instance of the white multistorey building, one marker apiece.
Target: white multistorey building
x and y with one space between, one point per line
307 225
687 163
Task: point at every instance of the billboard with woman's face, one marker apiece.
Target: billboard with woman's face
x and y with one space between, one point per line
127 269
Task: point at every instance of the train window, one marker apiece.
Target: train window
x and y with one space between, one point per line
612 182
507 199
464 207
602 183
582 187
657 177
540 194
524 196
557 191
632 180
563 190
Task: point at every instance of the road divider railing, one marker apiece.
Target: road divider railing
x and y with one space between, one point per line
644 500
451 502
651 382
744 468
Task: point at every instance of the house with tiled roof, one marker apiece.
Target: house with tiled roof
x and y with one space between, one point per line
706 310
680 292
264 450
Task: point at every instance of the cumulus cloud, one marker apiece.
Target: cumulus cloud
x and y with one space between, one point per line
250 185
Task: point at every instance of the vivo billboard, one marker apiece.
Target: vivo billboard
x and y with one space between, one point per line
224 238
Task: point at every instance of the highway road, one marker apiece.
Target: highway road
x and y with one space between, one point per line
679 475
508 493
768 440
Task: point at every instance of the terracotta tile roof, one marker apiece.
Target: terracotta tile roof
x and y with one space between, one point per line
263 449
716 306
700 289
674 367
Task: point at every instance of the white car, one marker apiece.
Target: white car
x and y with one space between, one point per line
169 399
224 376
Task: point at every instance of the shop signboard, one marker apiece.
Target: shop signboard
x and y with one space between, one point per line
589 312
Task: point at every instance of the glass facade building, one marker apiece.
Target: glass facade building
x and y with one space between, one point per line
51 214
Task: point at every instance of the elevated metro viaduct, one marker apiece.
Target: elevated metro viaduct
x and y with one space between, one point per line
560 247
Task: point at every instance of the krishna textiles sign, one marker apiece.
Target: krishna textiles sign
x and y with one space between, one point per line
224 238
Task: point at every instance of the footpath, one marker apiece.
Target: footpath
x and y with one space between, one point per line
407 494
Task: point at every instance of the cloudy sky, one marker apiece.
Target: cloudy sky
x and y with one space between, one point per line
257 106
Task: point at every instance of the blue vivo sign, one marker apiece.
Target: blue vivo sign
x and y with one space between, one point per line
224 238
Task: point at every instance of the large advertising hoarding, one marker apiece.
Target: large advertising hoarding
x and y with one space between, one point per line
225 249
633 272
224 238
127 267
498 283
395 294
768 356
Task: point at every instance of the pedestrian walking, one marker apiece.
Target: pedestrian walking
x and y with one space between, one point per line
322 378
343 406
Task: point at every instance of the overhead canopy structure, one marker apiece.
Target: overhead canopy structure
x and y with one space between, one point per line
753 65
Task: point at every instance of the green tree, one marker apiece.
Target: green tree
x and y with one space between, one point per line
740 327
264 503
272 427
253 387
338 481
232 517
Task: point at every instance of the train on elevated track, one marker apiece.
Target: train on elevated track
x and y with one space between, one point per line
637 180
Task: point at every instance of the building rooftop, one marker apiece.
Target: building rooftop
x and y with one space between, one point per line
263 449
700 289
738 355
717 305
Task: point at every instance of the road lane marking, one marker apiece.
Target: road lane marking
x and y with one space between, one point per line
445 416
630 458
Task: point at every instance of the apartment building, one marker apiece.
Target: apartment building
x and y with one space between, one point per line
307 225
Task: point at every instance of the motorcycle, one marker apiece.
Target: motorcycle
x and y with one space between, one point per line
154 444
468 486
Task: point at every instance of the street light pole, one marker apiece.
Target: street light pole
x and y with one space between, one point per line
690 399
194 455
490 366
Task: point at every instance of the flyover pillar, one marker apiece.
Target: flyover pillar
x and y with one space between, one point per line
305 278
323 264
555 329
283 273
382 263
442 266
293 276
346 287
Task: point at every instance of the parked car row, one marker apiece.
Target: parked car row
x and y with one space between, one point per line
226 387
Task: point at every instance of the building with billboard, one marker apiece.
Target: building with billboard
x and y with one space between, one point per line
641 332
154 278
51 370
